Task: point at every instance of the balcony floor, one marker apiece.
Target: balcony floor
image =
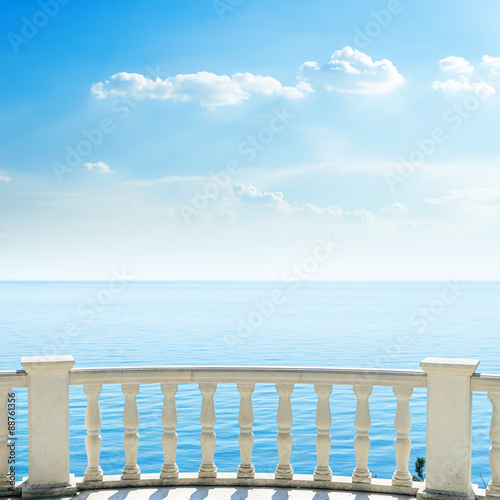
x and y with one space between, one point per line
223 493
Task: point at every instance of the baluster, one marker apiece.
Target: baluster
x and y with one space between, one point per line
362 423
284 438
4 440
207 438
131 437
93 439
245 439
169 469
323 439
493 489
402 443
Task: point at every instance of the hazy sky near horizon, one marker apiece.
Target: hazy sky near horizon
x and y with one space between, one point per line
232 139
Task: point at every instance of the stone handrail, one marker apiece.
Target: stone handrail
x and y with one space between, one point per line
449 384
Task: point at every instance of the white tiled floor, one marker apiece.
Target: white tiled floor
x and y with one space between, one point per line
220 493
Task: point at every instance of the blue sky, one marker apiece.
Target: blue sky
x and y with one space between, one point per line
224 139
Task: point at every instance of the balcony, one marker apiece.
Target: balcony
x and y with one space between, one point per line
449 383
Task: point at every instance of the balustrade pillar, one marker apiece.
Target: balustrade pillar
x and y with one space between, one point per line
245 438
169 469
402 443
362 424
323 439
5 479
93 439
284 438
449 428
131 437
493 489
207 438
48 426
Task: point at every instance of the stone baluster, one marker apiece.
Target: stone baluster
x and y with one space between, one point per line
284 438
169 469
323 439
402 443
4 440
207 438
131 437
493 489
245 439
362 424
93 439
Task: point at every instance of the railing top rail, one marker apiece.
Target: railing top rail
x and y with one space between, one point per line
13 378
260 374
482 382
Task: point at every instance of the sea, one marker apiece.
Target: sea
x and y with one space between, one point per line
298 324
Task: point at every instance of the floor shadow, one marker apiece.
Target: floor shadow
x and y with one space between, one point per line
280 495
240 494
200 494
321 495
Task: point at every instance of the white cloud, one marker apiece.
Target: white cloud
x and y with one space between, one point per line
479 80
353 72
209 89
463 84
3 176
456 64
100 166
461 197
396 207
250 194
478 202
493 62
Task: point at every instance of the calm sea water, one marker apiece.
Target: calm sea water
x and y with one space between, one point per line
235 323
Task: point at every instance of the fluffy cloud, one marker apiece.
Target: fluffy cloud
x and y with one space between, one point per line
250 194
353 72
100 166
4 177
463 85
461 197
456 64
469 78
478 202
209 89
396 207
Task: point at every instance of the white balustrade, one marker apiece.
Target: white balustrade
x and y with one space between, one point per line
169 469
4 439
323 439
493 489
207 438
362 424
449 382
284 438
402 443
93 439
131 437
245 438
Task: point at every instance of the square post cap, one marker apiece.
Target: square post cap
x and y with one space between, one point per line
449 366
47 364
